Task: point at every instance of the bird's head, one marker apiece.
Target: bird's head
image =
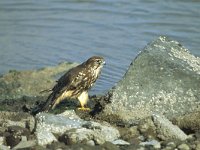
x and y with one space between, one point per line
96 62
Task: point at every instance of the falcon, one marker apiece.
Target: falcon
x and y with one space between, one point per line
75 84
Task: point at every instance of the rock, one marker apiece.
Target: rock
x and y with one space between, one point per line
2 139
189 122
17 130
3 147
120 142
109 146
130 135
198 146
44 137
81 135
146 127
91 131
166 130
57 146
183 147
69 114
172 145
108 132
155 144
90 142
56 123
24 145
76 130
14 135
163 78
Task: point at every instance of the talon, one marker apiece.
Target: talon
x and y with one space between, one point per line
84 108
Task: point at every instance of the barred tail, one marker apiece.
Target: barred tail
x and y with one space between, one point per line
45 107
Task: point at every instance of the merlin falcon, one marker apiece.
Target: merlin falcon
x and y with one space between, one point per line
75 84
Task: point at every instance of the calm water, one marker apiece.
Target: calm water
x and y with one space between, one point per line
34 34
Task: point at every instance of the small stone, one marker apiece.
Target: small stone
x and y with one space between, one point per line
166 130
25 144
1 140
143 128
17 130
81 135
171 144
108 132
3 147
109 146
168 148
141 138
45 137
120 142
183 147
90 142
141 148
155 144
198 146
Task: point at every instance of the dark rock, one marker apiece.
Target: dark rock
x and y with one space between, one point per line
130 134
147 127
14 135
164 78
188 123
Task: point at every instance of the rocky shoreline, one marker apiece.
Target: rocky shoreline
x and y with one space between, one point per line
154 106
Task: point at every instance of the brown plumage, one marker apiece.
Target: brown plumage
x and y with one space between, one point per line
75 84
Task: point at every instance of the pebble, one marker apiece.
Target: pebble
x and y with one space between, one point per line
171 144
155 144
198 146
1 140
120 142
183 147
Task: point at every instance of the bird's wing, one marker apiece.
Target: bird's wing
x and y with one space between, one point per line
71 80
68 82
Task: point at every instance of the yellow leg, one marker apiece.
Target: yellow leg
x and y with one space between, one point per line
84 108
83 98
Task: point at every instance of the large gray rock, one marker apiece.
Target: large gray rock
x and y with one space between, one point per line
164 78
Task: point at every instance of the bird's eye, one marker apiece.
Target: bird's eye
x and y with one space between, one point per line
99 61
